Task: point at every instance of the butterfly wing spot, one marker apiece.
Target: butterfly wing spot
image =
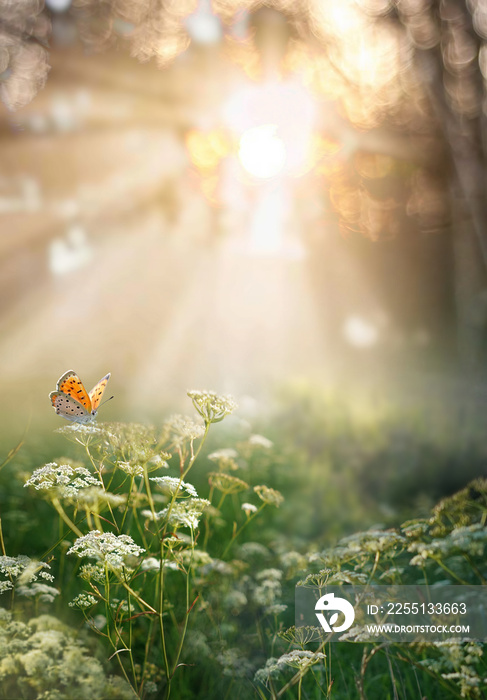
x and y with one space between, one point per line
72 385
67 407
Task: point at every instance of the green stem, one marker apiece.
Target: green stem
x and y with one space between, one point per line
98 472
234 537
137 597
128 502
186 616
62 514
449 571
161 620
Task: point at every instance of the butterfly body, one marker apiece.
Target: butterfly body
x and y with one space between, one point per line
73 402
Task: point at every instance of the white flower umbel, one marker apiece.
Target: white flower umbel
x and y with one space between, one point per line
225 453
131 469
184 513
45 593
14 566
249 508
260 441
65 481
297 658
24 570
212 407
83 600
107 548
178 429
150 564
172 484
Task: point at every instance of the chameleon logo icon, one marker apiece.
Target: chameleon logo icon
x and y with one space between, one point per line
330 602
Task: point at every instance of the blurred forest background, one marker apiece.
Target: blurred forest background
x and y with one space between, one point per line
239 196
281 200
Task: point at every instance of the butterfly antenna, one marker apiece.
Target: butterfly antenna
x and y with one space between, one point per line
106 401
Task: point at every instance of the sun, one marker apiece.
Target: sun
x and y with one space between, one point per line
261 152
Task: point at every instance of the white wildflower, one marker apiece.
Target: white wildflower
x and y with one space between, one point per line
225 453
212 407
226 483
46 593
260 441
181 428
297 658
120 605
158 461
150 564
249 508
275 609
24 569
234 664
373 541
46 575
92 572
5 586
107 548
235 601
171 565
80 430
64 480
268 592
174 485
268 495
131 469
14 566
185 513
253 550
83 600
274 574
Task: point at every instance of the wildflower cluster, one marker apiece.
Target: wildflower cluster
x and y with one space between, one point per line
44 658
298 659
134 446
459 661
185 513
83 600
268 495
24 572
226 483
179 429
465 540
62 480
144 535
212 407
112 550
175 486
225 458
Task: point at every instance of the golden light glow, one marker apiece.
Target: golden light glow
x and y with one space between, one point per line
262 153
206 149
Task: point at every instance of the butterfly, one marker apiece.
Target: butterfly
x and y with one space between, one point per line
72 401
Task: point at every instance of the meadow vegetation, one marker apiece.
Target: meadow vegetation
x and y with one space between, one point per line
161 561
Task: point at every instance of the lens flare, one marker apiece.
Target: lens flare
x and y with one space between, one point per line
262 153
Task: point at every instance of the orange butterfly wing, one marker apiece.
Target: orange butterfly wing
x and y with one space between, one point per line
96 394
72 385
